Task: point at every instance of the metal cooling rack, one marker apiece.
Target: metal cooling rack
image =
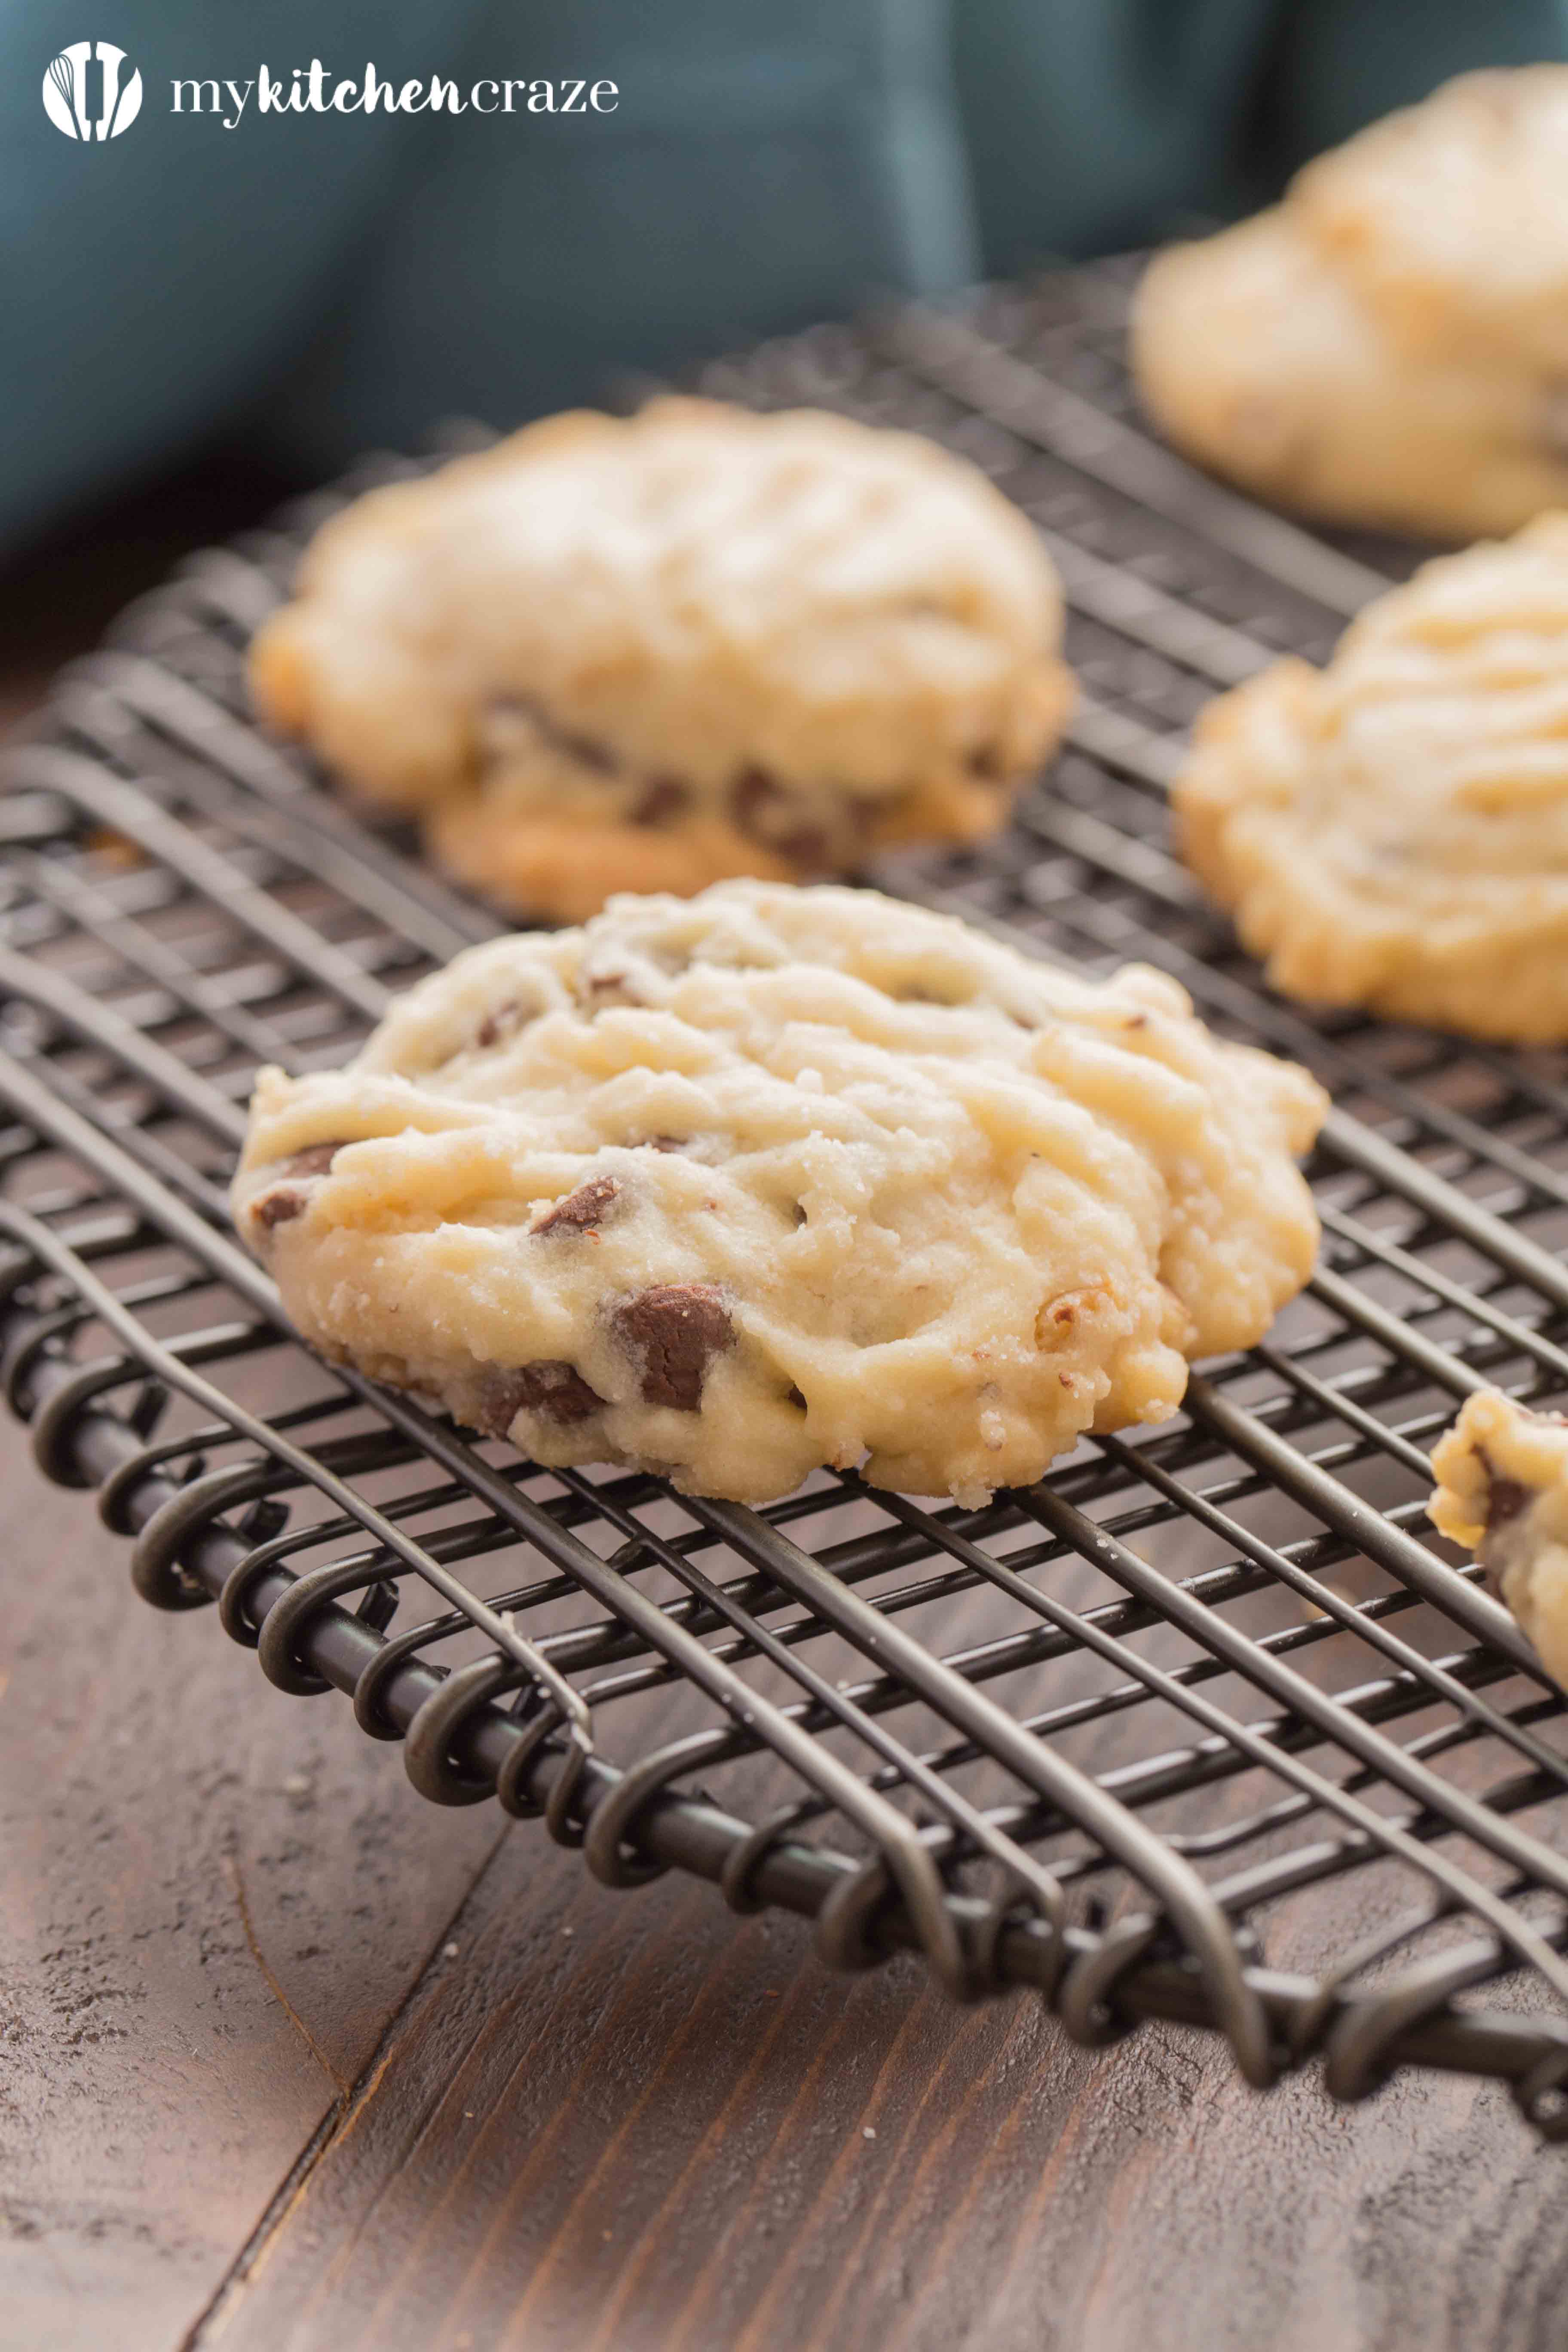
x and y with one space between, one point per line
1208 1691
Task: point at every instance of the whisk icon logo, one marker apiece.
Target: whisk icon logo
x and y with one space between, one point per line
87 93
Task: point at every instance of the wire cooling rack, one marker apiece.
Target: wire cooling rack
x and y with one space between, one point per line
1109 1736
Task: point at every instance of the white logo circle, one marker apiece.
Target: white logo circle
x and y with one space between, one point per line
87 94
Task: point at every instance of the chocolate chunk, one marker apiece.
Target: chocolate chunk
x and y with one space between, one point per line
673 1332
807 846
1554 420
554 1390
754 796
581 1211
601 987
767 811
661 799
316 1159
287 1201
584 749
1506 1499
501 1020
588 753
276 1207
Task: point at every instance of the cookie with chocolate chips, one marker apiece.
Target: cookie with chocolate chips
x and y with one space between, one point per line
1502 1493
1389 345
735 1187
649 653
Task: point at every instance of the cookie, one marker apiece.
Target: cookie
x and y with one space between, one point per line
1389 345
733 1187
653 653
1502 1493
1392 831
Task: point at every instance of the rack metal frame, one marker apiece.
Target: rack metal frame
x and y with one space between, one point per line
1104 1737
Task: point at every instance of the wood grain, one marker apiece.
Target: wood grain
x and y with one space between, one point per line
648 2134
178 1844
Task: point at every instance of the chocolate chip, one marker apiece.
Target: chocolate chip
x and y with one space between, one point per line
753 795
807 846
1554 421
794 1397
673 1332
589 754
554 1390
985 759
288 1201
276 1207
581 1211
314 1160
608 988
501 1020
1506 1499
584 749
661 799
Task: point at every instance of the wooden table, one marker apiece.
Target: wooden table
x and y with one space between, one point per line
291 2061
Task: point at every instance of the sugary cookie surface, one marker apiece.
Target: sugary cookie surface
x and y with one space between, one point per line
652 653
1389 345
1392 831
731 1188
1502 1492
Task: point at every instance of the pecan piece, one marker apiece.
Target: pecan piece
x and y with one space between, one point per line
581 1211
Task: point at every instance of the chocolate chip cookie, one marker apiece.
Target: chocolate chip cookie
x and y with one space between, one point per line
1392 831
1502 1492
734 1187
649 653
1389 345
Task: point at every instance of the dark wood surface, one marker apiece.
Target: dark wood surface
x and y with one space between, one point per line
291 2061
294 2063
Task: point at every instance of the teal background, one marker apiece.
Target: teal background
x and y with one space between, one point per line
329 282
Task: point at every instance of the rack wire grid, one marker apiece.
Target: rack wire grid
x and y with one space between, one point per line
1102 1737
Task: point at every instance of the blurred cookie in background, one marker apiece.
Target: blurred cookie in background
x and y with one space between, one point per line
1391 831
657 652
1389 345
